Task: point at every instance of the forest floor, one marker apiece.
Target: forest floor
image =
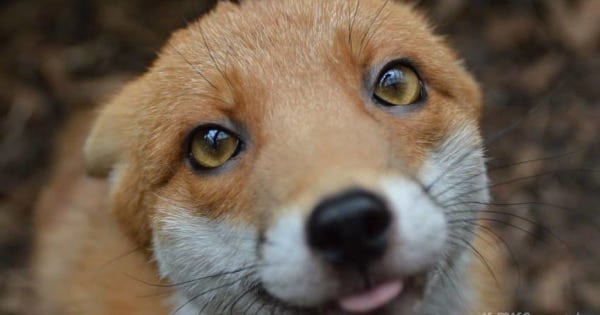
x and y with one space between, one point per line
59 56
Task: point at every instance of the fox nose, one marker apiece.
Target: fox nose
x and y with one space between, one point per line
350 228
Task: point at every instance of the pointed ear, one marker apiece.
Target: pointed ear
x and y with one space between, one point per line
111 132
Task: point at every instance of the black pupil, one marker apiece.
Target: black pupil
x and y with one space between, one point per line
213 138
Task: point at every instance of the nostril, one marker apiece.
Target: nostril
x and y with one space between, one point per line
376 223
350 228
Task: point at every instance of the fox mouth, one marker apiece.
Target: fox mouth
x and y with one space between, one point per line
357 252
369 300
382 294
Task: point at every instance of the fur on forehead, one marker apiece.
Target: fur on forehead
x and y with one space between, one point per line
239 46
230 58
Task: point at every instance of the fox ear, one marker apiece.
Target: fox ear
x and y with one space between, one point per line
110 134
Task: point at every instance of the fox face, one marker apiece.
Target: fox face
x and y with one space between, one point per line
296 157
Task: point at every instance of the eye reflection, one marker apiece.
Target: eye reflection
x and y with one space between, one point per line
211 147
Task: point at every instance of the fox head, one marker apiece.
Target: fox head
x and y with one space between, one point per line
300 157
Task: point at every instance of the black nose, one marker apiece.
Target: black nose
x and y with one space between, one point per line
350 228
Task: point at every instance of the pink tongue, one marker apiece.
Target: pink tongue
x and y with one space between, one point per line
373 299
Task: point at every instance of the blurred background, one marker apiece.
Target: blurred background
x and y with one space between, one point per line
60 56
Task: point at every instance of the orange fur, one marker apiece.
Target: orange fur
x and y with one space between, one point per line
490 274
245 72
77 241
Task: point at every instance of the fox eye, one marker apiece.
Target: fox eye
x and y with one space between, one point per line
398 85
212 146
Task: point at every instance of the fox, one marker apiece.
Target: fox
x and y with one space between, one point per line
278 157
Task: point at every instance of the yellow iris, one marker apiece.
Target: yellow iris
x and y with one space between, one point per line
212 147
398 86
